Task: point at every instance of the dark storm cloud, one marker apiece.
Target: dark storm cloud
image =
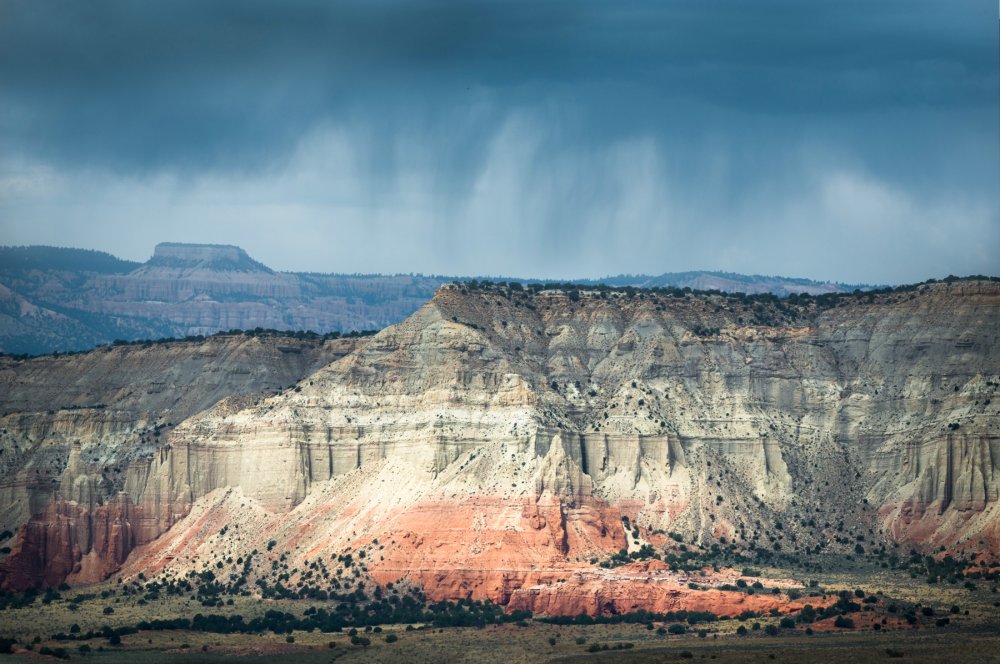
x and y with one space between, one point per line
717 123
196 85
193 85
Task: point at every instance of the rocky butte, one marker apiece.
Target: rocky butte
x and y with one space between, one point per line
501 442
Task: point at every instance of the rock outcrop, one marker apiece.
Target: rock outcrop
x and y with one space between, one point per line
491 445
649 587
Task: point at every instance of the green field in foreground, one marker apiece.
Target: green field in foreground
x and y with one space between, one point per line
972 633
510 643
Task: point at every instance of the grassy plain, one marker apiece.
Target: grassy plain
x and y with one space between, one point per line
971 635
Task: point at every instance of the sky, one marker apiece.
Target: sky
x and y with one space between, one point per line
856 141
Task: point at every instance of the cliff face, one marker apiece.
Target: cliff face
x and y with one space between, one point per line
492 443
74 429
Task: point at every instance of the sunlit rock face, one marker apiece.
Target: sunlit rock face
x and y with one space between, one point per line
493 442
77 431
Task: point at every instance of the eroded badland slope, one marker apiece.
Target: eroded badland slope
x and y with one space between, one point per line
494 443
75 429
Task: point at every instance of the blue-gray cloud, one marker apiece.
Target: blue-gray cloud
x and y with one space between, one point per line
598 136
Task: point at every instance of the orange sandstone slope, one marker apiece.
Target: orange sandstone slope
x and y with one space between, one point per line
490 445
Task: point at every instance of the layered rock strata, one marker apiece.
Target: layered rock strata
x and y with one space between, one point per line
76 430
493 442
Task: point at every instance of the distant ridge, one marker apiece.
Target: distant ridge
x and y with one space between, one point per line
64 299
39 257
728 282
55 299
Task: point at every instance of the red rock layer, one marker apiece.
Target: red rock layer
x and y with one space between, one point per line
487 547
643 587
69 542
535 555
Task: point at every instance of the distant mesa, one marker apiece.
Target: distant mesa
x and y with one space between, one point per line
220 257
62 299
